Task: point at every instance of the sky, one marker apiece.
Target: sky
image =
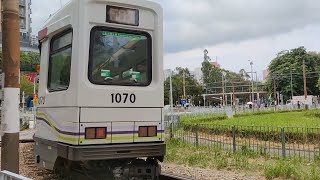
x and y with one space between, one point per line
233 31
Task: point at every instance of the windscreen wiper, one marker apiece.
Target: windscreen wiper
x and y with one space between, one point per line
108 78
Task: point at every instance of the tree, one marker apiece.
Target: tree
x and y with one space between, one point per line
288 62
26 86
244 74
213 76
28 61
193 88
210 73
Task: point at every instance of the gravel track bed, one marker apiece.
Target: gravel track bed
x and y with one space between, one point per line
30 170
27 164
206 174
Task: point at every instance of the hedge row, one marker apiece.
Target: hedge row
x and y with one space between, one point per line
260 133
313 113
202 118
266 112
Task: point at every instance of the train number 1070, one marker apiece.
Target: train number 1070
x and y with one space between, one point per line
123 98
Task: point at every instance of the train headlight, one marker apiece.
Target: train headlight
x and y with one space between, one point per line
95 133
147 131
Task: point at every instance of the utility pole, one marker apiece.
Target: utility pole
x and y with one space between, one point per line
275 93
204 98
305 84
184 85
34 108
257 91
171 99
11 68
291 85
256 81
223 98
233 95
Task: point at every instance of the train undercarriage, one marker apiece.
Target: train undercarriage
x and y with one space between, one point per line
114 162
125 169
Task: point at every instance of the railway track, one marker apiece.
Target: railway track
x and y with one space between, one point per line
165 176
81 175
28 162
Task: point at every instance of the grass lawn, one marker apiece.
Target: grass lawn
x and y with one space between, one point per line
246 161
276 119
284 119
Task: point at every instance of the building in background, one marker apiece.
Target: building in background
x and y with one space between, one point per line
34 40
215 64
25 22
27 41
198 75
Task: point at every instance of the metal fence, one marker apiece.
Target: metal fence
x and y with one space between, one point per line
6 175
228 110
176 115
270 141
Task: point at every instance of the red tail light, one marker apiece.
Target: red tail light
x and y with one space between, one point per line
147 131
101 133
95 133
143 131
90 133
152 131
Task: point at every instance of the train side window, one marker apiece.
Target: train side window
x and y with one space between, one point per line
60 62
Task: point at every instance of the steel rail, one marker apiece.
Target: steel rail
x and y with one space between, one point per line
167 176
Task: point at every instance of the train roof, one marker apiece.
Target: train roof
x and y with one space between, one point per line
66 9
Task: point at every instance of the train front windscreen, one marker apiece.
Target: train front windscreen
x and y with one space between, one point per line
120 58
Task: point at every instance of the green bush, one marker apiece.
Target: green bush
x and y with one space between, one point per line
313 174
220 162
240 161
281 169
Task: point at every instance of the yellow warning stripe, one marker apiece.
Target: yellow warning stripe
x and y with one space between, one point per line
75 139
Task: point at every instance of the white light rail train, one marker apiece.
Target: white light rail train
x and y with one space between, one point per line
101 88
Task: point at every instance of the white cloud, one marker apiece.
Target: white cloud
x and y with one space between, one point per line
235 56
41 10
193 24
233 30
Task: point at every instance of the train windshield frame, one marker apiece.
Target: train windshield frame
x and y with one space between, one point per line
120 57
